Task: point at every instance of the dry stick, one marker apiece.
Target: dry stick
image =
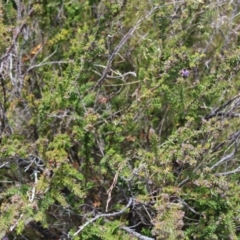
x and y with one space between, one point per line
103 215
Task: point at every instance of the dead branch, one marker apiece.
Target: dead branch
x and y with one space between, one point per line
237 170
135 234
224 159
219 111
103 216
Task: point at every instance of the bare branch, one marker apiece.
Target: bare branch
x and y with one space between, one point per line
15 224
45 63
224 114
183 182
224 159
237 170
136 234
218 111
4 165
189 207
103 215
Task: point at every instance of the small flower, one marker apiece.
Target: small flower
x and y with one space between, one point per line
185 73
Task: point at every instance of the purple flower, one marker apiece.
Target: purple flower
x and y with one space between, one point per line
185 73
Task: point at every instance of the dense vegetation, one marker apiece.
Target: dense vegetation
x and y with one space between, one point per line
119 119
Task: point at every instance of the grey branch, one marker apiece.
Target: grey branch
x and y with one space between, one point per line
219 111
224 159
136 234
224 114
103 215
237 170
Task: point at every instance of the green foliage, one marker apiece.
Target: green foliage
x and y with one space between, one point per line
95 90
